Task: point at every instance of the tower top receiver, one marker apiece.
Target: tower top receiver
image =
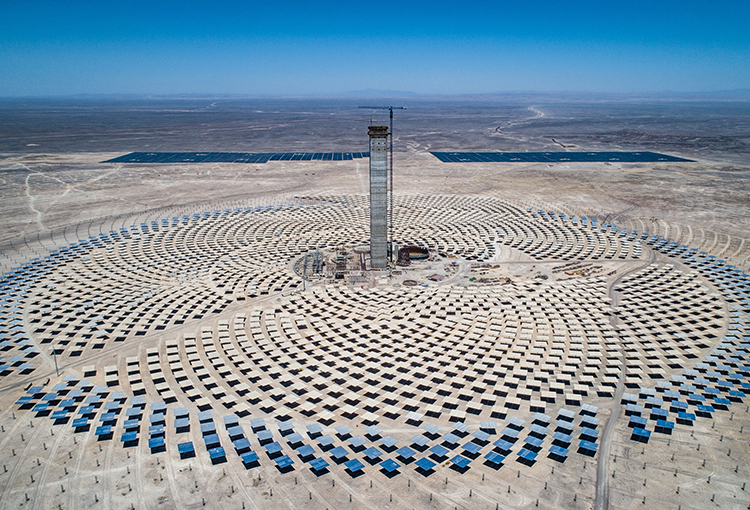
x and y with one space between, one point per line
378 131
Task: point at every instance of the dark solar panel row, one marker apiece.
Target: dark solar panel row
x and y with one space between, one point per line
555 157
234 157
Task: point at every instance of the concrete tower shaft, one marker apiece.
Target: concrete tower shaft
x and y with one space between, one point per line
378 196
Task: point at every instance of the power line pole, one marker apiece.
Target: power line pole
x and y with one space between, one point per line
54 355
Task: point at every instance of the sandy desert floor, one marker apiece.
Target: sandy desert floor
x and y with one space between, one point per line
510 370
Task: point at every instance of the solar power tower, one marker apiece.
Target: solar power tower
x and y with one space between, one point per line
390 188
378 196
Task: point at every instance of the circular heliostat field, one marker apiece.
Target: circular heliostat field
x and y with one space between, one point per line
193 349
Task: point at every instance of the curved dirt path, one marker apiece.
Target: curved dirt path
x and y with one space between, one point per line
602 482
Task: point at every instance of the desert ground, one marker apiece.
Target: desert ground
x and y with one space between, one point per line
152 313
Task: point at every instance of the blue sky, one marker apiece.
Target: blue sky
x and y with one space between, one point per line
430 47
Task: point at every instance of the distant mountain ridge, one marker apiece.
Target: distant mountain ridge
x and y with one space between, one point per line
381 93
720 95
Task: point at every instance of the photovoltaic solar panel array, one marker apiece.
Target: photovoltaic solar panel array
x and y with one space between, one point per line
554 157
445 157
234 157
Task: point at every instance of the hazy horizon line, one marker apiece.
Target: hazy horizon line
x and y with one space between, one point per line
743 93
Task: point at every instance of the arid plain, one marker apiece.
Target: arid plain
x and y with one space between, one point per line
528 337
